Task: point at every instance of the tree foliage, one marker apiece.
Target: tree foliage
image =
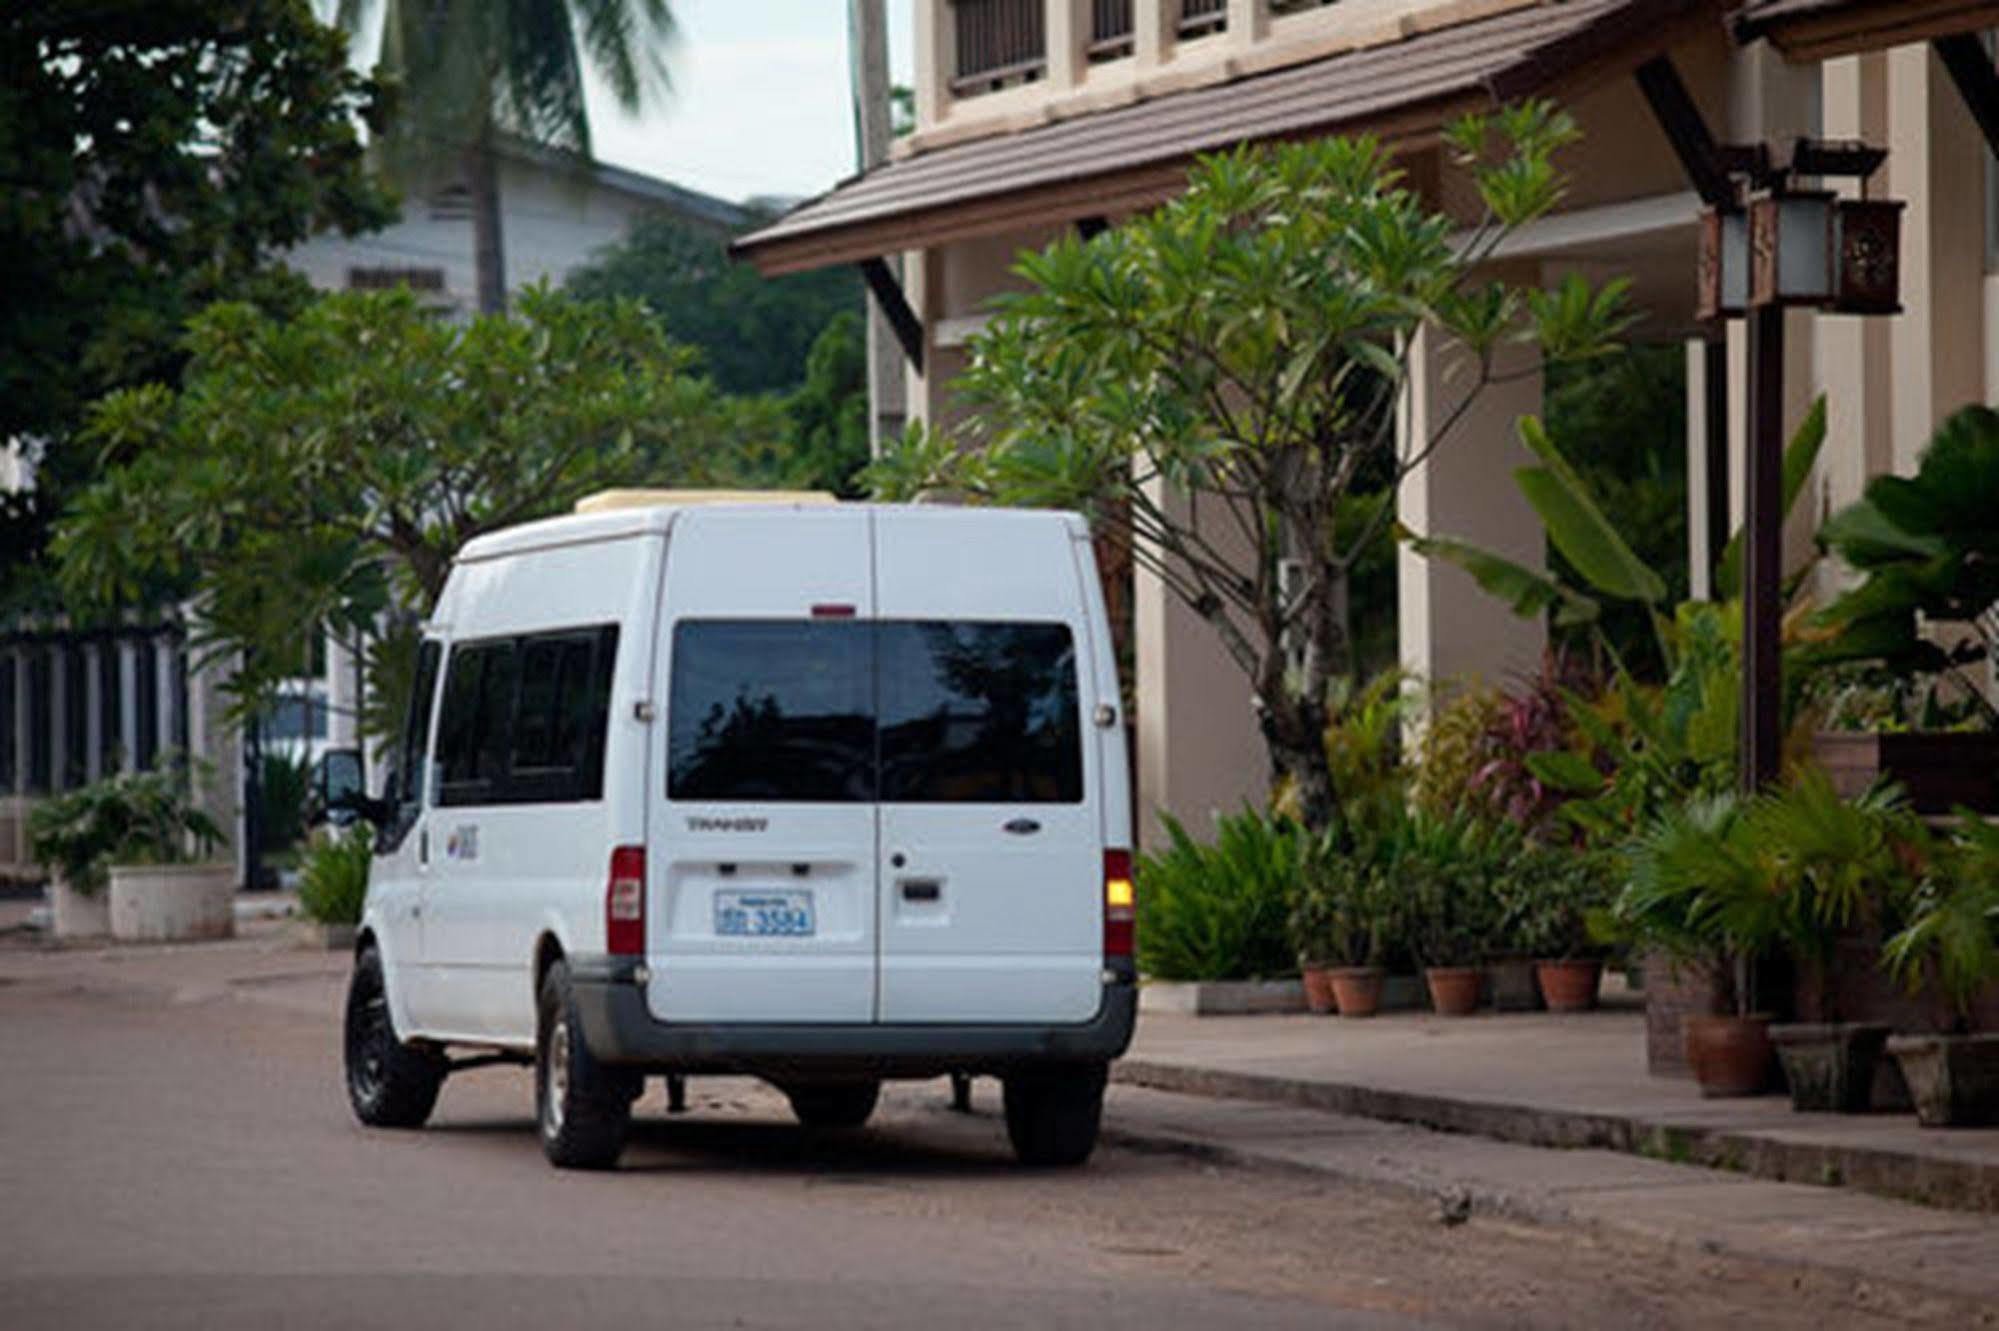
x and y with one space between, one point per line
1247 345
755 333
476 71
156 154
314 473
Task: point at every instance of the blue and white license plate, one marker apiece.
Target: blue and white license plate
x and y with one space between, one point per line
763 914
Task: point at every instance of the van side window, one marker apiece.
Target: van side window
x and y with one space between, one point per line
524 719
772 711
975 713
561 717
410 765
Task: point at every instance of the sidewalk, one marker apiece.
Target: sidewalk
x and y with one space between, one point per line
1886 1253
1567 1081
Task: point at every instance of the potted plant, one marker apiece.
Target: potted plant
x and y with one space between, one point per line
1698 893
138 838
1951 942
1834 863
110 843
1349 918
1562 888
70 838
1447 877
1927 550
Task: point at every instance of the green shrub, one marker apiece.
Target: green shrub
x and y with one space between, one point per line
333 880
282 785
1218 911
130 818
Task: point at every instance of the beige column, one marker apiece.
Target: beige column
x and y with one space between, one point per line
1936 163
1199 749
1853 353
218 744
1451 630
1249 22
1700 574
1067 26
934 61
1152 31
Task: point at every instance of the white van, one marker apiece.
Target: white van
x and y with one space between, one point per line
822 793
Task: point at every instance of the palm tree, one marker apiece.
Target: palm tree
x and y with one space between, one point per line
475 71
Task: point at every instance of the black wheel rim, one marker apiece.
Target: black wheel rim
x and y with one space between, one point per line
368 1037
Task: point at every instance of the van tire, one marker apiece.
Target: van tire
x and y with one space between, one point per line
390 1083
1053 1113
583 1109
844 1104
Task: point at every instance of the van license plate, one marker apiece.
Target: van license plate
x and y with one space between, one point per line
763 914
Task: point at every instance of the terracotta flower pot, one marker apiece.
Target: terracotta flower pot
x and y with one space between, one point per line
1953 1079
1318 989
1730 1056
1357 990
1569 986
1453 989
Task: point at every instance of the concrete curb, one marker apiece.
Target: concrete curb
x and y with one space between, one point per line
1952 1184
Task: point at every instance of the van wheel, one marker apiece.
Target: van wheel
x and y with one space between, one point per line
834 1104
390 1084
1052 1113
584 1108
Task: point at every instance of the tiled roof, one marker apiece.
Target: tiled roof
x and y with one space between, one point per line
1137 153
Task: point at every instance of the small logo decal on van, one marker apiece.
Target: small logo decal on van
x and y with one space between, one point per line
463 843
727 824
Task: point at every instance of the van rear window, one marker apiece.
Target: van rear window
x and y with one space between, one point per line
847 711
771 710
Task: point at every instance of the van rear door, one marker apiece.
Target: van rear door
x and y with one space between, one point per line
992 844
763 873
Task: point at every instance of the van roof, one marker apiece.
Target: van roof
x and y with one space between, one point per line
624 522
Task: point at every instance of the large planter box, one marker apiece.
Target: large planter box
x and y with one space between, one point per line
73 914
1940 771
172 902
1222 998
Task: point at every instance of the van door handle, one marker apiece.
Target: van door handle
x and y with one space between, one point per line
921 889
1022 827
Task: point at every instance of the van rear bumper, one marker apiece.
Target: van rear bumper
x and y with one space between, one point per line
620 1029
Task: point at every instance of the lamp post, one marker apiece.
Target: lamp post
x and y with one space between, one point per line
1781 247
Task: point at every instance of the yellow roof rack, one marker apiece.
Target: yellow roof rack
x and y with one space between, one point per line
608 501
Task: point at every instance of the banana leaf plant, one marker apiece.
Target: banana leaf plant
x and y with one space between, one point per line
1927 549
1578 527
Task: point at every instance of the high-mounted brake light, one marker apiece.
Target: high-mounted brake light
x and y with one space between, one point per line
625 903
832 610
1120 904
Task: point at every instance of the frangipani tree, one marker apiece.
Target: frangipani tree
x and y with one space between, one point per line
1246 346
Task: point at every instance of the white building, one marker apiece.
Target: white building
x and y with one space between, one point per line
557 211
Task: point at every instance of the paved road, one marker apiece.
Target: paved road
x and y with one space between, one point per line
178 1153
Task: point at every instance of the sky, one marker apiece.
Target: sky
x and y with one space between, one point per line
760 103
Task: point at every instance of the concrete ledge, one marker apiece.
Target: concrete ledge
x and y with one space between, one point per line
1221 998
1779 1154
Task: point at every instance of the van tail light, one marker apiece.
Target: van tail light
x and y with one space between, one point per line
1120 904
625 903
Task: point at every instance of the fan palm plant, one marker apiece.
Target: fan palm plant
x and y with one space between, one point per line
473 72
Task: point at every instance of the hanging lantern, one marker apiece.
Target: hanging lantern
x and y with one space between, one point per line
1723 272
1791 248
1867 257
